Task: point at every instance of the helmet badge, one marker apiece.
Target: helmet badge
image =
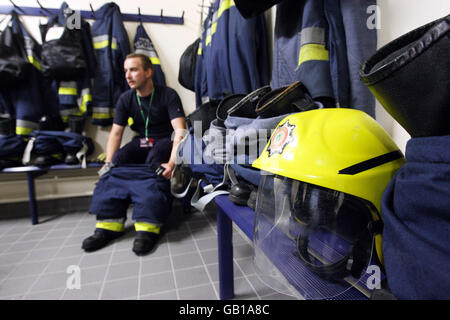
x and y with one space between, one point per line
281 138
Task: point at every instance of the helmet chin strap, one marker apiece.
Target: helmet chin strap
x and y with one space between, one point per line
351 264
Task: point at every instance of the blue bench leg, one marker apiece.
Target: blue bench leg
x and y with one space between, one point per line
225 248
32 198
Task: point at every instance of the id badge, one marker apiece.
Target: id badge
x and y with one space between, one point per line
146 143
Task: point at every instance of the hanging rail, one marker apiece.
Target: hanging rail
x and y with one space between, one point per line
36 11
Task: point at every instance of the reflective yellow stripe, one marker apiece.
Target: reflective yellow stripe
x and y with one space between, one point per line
34 62
67 91
103 115
57 156
147 227
208 40
23 131
86 98
101 44
226 4
155 60
199 51
65 118
79 112
112 226
104 44
130 121
312 51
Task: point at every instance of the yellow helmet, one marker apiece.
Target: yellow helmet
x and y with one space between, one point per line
340 149
328 171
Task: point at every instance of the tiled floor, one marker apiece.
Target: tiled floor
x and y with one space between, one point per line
46 261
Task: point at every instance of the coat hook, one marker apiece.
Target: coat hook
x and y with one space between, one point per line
42 8
16 6
139 14
182 15
92 10
161 17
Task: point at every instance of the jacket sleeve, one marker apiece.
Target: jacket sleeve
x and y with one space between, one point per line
27 97
102 104
249 62
118 54
201 87
88 48
75 97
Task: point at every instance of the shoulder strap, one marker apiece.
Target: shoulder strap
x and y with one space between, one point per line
27 153
204 195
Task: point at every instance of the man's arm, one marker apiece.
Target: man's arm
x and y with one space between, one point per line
179 126
114 140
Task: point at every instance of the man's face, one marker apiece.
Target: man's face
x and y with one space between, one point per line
135 74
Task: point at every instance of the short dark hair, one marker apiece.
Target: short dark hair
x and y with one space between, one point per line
146 62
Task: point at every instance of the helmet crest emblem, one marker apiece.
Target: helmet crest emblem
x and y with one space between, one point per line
281 138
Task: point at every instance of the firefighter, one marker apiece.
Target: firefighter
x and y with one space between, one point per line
155 112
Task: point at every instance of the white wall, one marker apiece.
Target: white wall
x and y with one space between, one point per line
397 17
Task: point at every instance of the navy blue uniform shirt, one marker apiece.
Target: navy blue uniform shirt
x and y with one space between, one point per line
166 106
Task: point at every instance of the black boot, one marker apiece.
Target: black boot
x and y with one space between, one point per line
7 127
48 160
144 242
76 123
180 180
71 159
99 239
409 77
51 123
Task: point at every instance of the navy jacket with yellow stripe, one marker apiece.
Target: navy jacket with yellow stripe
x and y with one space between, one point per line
321 43
75 96
34 97
111 44
233 55
144 45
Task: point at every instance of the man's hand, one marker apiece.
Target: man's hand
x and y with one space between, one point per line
168 166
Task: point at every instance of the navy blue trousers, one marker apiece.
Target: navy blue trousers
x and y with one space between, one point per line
133 153
133 181
137 184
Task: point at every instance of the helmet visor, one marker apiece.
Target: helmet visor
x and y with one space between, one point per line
314 239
